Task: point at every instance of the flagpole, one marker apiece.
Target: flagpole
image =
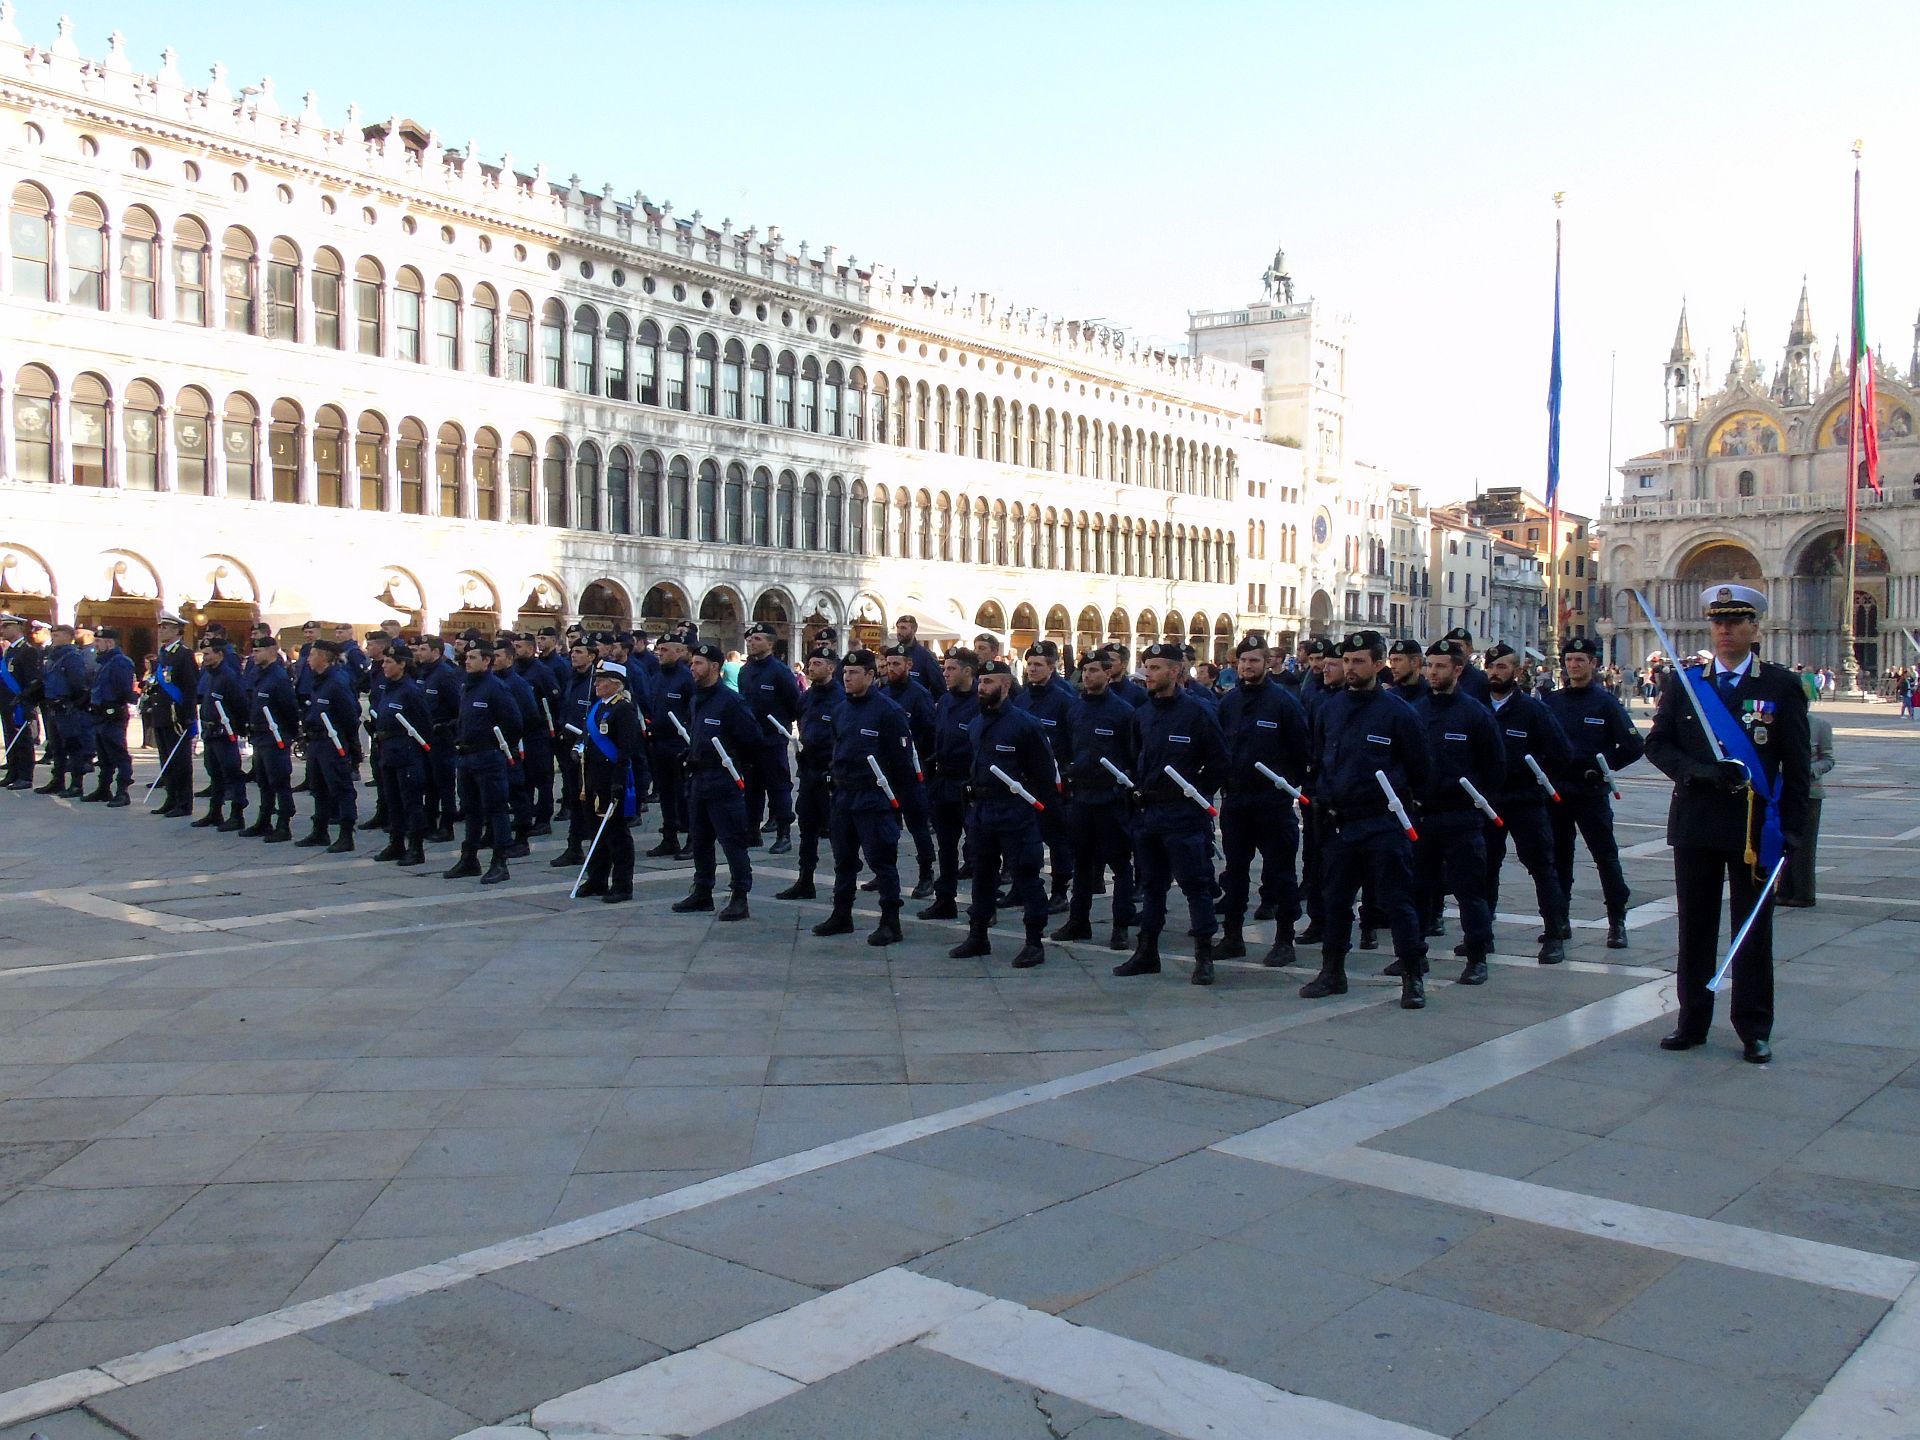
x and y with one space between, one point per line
1550 642
1849 662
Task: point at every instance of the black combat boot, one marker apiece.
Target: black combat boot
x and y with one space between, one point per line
669 845
572 855
887 932
1315 932
282 832
1413 985
1332 979
234 823
120 800
52 787
214 816
619 895
734 909
1616 930
314 838
1060 901
1117 937
1553 949
923 887
1203 954
1369 937
800 889
1145 959
260 827
467 866
442 836
975 944
416 853
782 843
497 870
588 888
76 791
1475 971
941 910
1077 927
375 821
392 850
698 899
1033 952
1282 954
101 791
1233 944
840 922
1394 968
1267 910
343 842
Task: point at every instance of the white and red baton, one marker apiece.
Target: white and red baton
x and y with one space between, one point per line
1480 802
1015 786
880 779
1393 804
1541 776
1187 789
1280 783
726 761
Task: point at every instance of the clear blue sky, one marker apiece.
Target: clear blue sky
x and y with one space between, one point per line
1134 161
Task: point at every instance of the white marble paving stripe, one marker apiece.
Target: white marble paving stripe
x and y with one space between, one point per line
427 1279
387 902
1875 1395
1360 1115
85 902
1149 1386
1838 1267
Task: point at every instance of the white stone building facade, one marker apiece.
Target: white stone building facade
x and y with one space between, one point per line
264 364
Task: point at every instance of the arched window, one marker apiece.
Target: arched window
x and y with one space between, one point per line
370 461
940 415
520 460
854 407
675 388
903 523
810 496
1746 484
283 291
140 263
706 356
650 503
518 349
898 417
620 491
446 323
760 506
30 232
1052 434
1033 437
240 445
553 484
369 286
190 263
33 412
836 536
999 430
679 477
283 452
486 475
979 427
327 282
585 345
736 507
238 281
963 522
923 524
877 405
732 379
140 436
448 451
810 395
707 496
783 390
857 511
613 357
89 414
1016 422
759 384
410 461
553 345
783 511
329 455
586 487
922 403
485 323
192 421
836 387
944 508
646 364
882 522
86 229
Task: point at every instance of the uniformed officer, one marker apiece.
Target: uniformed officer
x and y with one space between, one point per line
613 740
1318 657
402 749
440 685
722 731
1360 735
672 700
869 730
373 686
1737 811
328 722
1600 737
767 685
813 798
519 781
543 734
1009 749
1173 840
952 761
20 664
486 737
1120 675
1099 806
1527 731
169 704
223 710
577 696
1473 680
1051 701
1405 661
924 665
900 684
68 693
273 724
112 696
1262 723
1451 855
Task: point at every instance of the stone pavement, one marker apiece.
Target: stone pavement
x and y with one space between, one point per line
308 1147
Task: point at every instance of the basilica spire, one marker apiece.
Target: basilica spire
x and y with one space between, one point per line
1837 374
1802 332
1913 365
1743 367
1682 341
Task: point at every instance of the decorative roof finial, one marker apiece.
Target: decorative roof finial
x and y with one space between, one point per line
1682 340
1802 331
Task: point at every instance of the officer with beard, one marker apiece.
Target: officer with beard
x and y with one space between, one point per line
1528 731
952 761
1009 750
813 796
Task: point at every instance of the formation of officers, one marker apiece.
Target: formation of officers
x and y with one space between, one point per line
1388 775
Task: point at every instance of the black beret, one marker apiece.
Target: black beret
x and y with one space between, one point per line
685 633
329 647
580 642
1109 654
1449 648
995 667
827 635
106 632
1254 640
482 648
1187 653
471 635
551 632
897 649
1497 652
1164 651
1460 633
760 627
707 650
432 642
1043 650
263 641
824 652
864 658
1318 646
1363 640
961 655
214 642
1581 645
1404 647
